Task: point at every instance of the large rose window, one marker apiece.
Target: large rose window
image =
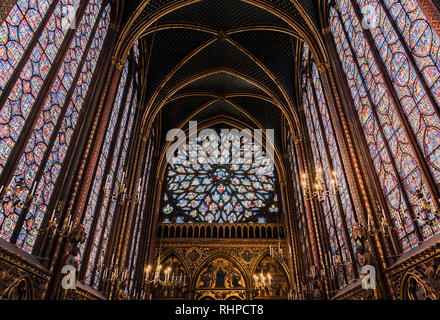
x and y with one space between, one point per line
215 188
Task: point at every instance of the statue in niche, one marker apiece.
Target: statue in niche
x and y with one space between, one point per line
220 274
220 278
236 277
206 279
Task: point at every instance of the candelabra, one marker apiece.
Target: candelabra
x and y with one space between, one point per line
425 215
262 281
52 225
293 295
426 210
115 280
314 274
318 188
384 227
164 277
120 192
14 197
114 274
279 249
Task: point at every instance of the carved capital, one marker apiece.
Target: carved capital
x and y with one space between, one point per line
298 139
118 63
326 30
114 27
323 66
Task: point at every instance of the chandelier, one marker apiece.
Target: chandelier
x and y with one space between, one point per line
262 281
120 192
318 188
164 277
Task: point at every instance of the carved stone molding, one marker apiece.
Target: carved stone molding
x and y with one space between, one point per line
416 275
21 275
353 292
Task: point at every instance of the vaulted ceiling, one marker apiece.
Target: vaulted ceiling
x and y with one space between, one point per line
215 58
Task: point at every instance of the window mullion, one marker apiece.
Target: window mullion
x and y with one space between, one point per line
59 122
337 194
364 149
139 219
20 145
426 173
387 146
134 144
101 196
94 66
410 57
319 161
108 248
27 54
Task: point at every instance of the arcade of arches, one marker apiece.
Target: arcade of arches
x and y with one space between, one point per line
346 93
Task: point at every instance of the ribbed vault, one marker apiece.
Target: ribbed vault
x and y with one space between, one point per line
210 58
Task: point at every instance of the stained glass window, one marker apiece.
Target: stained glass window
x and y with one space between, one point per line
221 191
394 116
328 169
100 181
16 33
25 91
300 214
110 178
119 164
45 148
139 220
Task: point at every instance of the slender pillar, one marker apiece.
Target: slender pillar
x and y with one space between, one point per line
308 209
431 12
91 153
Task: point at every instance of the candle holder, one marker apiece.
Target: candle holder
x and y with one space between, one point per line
318 188
262 281
13 196
165 277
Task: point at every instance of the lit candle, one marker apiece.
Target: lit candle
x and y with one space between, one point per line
1 188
